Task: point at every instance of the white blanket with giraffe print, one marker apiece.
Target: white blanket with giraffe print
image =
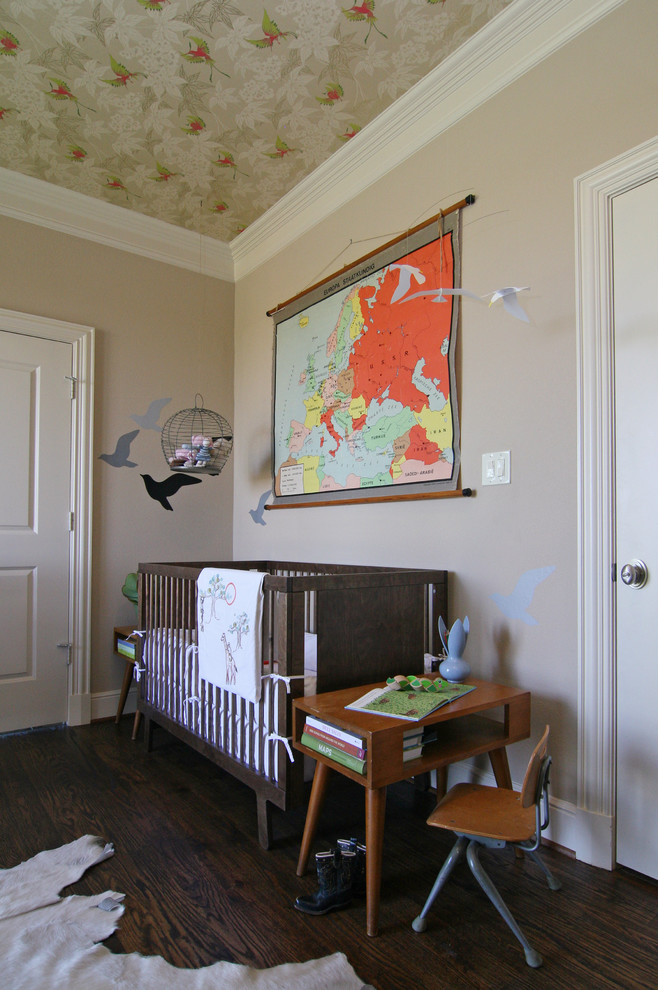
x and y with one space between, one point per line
229 622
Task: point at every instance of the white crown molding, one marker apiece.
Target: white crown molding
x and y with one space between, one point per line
521 36
35 201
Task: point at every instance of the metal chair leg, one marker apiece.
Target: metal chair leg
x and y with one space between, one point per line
532 957
419 924
552 881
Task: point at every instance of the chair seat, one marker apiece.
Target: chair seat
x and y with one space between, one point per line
490 812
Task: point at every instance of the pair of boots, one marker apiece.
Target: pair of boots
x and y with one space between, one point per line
341 876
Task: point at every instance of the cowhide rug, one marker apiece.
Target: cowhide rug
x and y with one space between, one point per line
51 943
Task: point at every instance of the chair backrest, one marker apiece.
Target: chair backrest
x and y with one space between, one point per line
529 790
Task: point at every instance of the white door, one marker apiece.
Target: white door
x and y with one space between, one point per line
35 413
635 244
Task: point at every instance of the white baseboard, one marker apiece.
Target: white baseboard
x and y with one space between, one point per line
79 709
104 704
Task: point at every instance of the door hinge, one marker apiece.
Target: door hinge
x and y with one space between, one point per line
72 381
71 521
68 647
613 573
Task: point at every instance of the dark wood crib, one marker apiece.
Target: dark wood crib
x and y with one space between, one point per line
359 624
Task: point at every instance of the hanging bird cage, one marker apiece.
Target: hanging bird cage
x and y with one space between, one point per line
197 441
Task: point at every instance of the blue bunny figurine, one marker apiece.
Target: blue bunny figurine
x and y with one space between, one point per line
454 668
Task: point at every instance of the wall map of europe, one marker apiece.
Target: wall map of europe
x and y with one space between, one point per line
365 396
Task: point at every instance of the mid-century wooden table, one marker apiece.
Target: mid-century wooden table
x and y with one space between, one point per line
464 730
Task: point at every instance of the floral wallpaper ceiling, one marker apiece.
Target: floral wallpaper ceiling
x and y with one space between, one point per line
203 113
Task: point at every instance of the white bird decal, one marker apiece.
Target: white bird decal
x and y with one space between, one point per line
510 301
439 294
407 272
515 606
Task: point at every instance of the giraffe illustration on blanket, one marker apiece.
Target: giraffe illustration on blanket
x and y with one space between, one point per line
231 666
229 624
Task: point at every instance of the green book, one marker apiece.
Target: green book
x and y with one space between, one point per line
338 755
125 648
410 705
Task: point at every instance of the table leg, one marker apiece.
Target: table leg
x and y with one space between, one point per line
125 687
500 767
441 782
318 791
375 814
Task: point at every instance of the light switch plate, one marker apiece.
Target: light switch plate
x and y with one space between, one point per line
496 468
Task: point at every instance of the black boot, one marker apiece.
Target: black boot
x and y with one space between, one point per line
359 865
334 871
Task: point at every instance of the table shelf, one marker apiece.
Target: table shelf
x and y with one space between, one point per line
485 720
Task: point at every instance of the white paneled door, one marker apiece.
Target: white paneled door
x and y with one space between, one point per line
35 413
635 244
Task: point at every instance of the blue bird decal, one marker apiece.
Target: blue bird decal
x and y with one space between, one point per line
257 514
515 606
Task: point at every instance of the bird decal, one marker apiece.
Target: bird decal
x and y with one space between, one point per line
121 74
257 514
508 296
352 131
120 456
271 32
364 11
332 93
510 301
440 294
9 43
152 4
163 173
149 421
515 606
407 272
115 183
201 54
226 160
59 90
282 150
195 125
162 491
76 153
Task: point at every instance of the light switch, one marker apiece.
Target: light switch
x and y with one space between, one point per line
496 468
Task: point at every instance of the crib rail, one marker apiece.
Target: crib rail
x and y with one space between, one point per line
252 740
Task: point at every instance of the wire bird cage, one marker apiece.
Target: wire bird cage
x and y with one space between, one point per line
197 441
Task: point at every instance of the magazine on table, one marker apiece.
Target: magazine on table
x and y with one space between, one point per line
409 705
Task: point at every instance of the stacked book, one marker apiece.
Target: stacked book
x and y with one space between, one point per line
126 648
412 743
336 744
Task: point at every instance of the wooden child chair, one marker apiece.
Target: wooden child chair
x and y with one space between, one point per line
494 817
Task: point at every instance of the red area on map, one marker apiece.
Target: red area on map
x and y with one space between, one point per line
420 448
326 419
396 336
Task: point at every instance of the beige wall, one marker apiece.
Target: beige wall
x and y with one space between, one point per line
161 332
519 154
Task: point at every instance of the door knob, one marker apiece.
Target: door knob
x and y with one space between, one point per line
635 574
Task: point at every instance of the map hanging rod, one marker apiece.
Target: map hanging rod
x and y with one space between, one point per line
372 500
468 201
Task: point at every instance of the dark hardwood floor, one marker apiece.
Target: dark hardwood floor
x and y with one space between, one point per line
199 888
